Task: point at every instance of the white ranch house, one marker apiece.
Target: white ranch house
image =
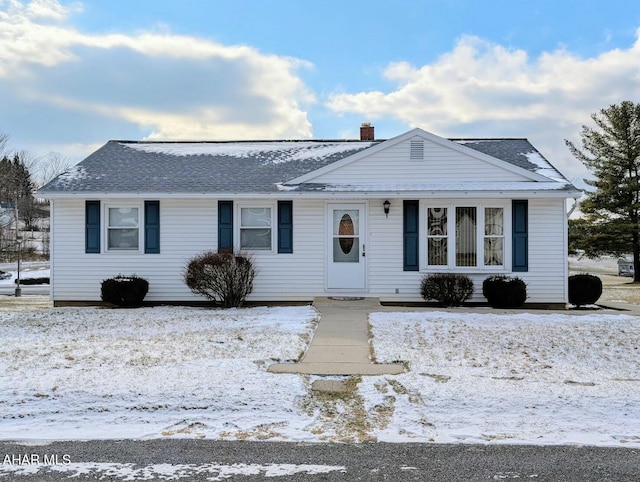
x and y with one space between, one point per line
321 218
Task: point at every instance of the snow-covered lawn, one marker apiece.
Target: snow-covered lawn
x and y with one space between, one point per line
509 378
80 373
68 373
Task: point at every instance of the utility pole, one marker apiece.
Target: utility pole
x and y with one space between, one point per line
18 291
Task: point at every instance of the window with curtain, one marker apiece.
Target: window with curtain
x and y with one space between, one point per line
493 236
466 236
437 253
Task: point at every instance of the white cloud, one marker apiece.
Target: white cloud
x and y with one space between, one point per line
29 33
169 86
47 9
484 89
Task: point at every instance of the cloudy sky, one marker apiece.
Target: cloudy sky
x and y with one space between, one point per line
74 74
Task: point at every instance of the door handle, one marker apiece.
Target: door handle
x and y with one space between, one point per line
363 251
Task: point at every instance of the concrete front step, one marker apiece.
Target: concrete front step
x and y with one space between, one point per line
339 368
337 354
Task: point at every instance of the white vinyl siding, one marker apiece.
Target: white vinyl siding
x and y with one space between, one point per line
299 275
545 279
548 264
189 227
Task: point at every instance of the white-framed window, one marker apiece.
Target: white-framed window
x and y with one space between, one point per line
437 238
465 236
494 236
123 227
256 227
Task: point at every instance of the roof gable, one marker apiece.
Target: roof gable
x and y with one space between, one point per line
392 160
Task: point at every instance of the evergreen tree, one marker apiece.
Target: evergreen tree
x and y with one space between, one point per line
16 186
611 151
5 179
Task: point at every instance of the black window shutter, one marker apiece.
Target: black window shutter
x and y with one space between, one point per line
152 227
92 227
411 246
285 226
225 225
520 229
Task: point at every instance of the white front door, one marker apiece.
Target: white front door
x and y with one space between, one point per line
347 246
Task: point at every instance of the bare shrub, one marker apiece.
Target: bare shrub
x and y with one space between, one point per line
225 278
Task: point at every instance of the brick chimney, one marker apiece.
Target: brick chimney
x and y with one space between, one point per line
366 132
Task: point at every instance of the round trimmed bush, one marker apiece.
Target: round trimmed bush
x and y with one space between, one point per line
584 289
124 291
504 291
448 289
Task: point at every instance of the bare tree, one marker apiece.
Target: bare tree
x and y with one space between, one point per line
33 213
7 234
51 167
4 141
29 161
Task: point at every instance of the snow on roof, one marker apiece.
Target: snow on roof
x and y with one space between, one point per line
74 173
544 167
273 152
519 152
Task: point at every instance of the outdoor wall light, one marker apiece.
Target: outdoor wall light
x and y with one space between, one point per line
386 205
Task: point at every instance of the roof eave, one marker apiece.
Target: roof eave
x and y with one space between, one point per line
326 194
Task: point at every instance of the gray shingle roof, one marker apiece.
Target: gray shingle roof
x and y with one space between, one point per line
513 151
132 167
238 167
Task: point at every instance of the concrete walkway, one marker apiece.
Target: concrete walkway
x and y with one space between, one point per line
340 345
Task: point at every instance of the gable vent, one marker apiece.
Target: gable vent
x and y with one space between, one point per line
417 150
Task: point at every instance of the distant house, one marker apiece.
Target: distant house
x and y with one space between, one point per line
359 218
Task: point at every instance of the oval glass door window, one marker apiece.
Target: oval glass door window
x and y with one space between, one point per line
346 239
346 229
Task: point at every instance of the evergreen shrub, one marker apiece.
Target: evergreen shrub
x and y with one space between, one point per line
504 291
584 289
124 291
448 289
33 281
225 278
